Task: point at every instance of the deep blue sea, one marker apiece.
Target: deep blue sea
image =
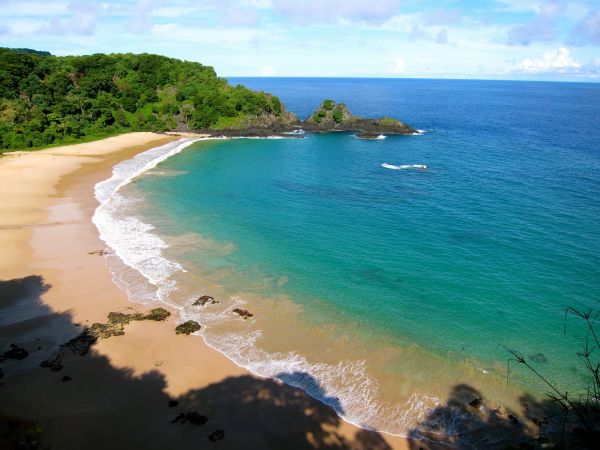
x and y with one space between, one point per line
378 290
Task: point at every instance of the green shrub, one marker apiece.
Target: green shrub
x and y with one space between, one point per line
328 104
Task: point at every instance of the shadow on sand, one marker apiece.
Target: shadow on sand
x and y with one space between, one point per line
102 407
107 408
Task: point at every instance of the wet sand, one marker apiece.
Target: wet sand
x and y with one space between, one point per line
117 396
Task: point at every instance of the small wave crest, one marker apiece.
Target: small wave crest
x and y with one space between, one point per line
405 166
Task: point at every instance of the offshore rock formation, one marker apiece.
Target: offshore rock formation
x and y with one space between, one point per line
336 117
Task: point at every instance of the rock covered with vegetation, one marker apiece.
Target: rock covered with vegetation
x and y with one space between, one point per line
189 327
336 117
46 100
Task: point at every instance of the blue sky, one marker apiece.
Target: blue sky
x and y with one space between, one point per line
508 39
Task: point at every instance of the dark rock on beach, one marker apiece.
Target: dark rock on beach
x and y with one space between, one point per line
173 403
476 403
192 417
196 418
244 314
16 352
81 344
205 300
157 314
191 326
98 252
513 419
66 378
217 435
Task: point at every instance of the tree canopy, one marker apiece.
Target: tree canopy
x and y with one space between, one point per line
47 100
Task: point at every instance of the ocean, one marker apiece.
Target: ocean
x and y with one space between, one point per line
375 286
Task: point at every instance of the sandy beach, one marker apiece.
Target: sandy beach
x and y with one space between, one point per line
126 392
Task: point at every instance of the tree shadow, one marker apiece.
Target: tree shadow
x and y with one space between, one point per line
93 405
465 422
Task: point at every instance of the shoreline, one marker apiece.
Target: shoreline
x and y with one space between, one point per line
47 232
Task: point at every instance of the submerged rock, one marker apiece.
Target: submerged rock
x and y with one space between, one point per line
539 358
191 326
217 435
369 135
16 352
244 314
205 300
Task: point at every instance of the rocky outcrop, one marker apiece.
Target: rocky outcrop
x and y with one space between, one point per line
217 435
115 326
15 352
336 117
205 300
192 417
189 327
243 313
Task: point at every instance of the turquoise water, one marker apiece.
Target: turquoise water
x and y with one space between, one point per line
486 247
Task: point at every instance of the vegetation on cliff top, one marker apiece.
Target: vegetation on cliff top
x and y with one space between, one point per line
46 100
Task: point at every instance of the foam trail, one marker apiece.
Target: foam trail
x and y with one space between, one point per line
404 166
129 237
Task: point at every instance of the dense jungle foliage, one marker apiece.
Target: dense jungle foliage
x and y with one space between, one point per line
46 100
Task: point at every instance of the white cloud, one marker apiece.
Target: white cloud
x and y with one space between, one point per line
398 66
556 61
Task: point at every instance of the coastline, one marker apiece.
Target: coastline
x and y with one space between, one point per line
119 393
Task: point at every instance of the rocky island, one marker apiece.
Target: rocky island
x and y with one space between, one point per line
336 117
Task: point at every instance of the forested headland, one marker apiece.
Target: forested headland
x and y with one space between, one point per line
47 100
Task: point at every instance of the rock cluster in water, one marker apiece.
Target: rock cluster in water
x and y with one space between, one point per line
205 300
244 314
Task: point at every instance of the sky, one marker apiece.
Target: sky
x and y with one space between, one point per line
484 39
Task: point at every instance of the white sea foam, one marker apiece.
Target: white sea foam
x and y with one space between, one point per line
404 166
346 386
419 132
129 237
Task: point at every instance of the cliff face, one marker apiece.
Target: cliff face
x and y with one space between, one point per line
336 117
